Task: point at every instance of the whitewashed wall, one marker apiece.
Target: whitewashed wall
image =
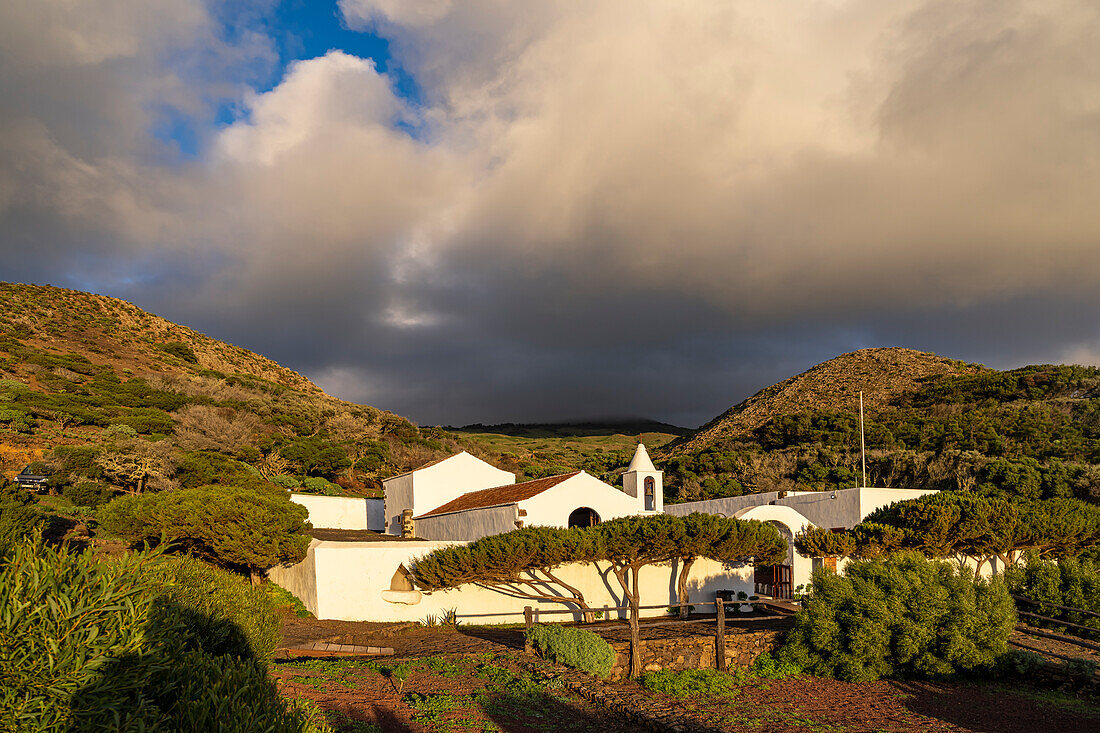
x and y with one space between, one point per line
347 581
335 512
552 507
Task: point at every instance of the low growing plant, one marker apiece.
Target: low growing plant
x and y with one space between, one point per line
689 683
575 648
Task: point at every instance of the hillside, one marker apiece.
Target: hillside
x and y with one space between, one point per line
931 422
93 389
603 449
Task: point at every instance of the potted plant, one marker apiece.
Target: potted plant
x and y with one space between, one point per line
742 596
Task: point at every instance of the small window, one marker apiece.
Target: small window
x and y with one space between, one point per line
650 494
401 580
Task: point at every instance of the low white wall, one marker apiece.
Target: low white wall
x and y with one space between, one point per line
352 577
334 512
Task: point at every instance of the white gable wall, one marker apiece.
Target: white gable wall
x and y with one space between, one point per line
430 487
435 485
552 507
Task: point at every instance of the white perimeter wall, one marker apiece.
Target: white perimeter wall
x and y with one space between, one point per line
346 581
335 512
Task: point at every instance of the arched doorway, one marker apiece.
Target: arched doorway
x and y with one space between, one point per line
650 494
583 517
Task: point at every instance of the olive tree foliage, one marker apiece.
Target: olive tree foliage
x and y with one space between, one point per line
964 526
231 526
137 465
520 563
900 616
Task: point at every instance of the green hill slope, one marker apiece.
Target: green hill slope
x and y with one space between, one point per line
930 423
91 386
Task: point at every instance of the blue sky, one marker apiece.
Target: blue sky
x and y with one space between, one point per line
297 29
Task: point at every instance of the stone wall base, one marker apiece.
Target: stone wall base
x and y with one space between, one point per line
695 652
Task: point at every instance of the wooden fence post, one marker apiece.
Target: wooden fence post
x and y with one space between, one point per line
635 645
720 635
528 622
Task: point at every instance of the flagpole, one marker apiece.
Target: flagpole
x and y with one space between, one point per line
862 442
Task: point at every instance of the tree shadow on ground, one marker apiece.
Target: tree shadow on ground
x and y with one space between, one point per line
989 708
511 638
528 712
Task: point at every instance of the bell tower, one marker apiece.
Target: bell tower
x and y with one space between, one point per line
644 482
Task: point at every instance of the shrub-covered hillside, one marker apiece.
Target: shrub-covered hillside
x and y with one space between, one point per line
930 423
107 398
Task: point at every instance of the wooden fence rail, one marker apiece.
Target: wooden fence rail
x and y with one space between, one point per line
1025 599
531 617
1059 621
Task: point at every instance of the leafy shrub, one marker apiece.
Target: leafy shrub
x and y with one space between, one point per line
120 430
229 525
317 485
88 493
575 648
90 645
689 683
223 612
1068 582
282 598
179 350
770 668
147 421
18 517
287 482
902 616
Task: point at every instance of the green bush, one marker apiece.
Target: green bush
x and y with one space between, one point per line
88 493
91 645
899 617
223 612
770 668
575 648
231 525
287 482
18 517
317 485
689 683
1068 582
179 350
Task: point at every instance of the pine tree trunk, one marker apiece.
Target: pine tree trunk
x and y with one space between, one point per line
681 584
257 576
635 635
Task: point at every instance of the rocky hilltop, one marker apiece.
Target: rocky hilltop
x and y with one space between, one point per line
881 374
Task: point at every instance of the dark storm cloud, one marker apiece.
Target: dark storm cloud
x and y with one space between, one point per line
595 209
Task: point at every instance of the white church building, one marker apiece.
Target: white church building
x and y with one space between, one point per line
356 565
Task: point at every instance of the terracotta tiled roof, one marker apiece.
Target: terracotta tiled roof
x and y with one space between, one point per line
500 495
